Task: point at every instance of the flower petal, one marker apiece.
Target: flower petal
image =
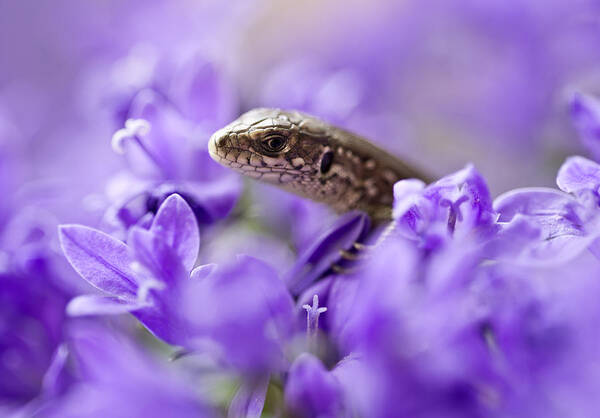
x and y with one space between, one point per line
203 271
455 205
176 224
156 255
203 93
347 230
522 241
247 311
312 391
99 305
249 400
532 201
165 322
577 174
406 194
121 378
55 378
585 113
99 258
541 226
213 200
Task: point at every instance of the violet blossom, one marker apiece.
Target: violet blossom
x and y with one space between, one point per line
109 365
402 324
166 122
585 112
143 277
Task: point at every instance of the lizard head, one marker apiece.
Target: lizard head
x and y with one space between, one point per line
308 157
285 148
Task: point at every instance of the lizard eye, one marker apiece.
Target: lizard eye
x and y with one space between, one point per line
274 143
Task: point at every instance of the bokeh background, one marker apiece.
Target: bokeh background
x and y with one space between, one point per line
442 83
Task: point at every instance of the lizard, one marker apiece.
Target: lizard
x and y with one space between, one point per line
312 158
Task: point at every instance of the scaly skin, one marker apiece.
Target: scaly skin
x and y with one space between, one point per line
311 158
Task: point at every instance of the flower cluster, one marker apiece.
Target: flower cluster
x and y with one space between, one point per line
467 307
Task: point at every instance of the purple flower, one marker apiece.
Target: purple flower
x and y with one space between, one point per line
452 336
117 378
391 338
326 251
31 330
458 205
209 202
144 276
547 226
34 290
542 226
150 277
249 400
579 175
167 122
334 94
541 334
585 113
244 315
311 390
408 331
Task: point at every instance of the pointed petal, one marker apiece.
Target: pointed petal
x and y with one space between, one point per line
99 305
55 377
249 400
201 272
247 311
176 224
578 173
542 226
164 323
99 258
348 229
214 199
532 201
585 114
311 390
157 255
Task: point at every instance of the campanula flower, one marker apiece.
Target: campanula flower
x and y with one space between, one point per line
456 206
166 122
144 276
114 376
585 113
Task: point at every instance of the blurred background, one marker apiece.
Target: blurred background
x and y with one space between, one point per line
441 83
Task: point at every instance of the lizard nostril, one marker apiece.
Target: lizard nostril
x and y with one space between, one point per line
217 141
212 147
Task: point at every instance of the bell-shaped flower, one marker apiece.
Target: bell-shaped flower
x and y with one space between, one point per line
458 205
313 391
117 378
585 114
242 313
548 226
327 250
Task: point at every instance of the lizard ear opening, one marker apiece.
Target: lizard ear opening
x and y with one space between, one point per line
326 161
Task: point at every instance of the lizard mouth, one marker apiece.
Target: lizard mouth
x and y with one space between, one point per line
220 151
